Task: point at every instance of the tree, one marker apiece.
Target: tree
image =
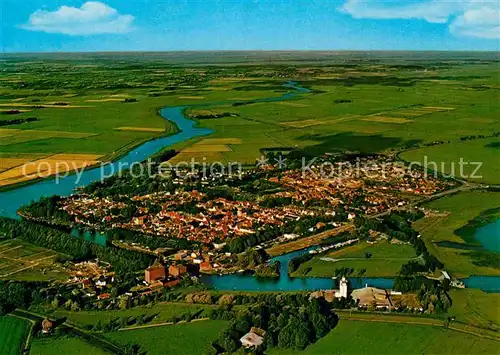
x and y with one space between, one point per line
227 341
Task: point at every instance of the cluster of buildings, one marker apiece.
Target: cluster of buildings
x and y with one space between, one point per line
202 220
366 297
370 186
158 276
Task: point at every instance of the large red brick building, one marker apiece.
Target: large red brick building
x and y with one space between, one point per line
155 272
177 270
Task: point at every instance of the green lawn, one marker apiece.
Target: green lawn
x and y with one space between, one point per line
359 337
461 209
385 260
63 346
447 158
476 307
13 334
188 338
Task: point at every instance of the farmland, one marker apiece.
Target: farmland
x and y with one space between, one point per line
359 337
188 338
361 111
447 159
13 333
447 228
381 259
161 313
476 307
23 261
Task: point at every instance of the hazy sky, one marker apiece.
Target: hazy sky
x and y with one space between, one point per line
120 25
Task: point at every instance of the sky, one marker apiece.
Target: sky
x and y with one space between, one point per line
163 25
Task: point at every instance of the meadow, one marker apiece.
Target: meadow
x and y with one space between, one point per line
476 307
188 338
63 346
95 107
385 260
360 337
447 159
104 107
457 212
366 111
161 313
13 334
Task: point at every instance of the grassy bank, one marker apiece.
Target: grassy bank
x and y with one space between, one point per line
13 334
360 337
379 260
459 210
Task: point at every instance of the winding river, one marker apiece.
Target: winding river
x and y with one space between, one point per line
12 200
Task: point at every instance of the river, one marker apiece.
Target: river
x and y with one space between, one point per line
247 282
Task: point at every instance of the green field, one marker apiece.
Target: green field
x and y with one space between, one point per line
447 158
377 104
63 346
13 333
359 337
385 260
460 209
476 307
189 338
385 111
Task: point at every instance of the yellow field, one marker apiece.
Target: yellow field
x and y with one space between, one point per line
221 141
301 124
292 104
191 97
219 88
8 163
437 108
386 119
337 119
8 130
41 105
225 80
140 129
105 100
201 148
412 113
41 168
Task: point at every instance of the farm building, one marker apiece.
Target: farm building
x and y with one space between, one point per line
155 272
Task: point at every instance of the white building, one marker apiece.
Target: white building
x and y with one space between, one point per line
342 292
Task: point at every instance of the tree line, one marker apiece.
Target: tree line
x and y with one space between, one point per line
123 261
